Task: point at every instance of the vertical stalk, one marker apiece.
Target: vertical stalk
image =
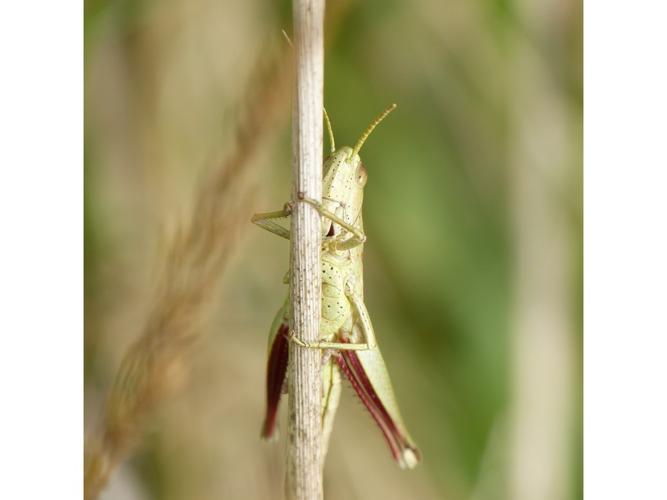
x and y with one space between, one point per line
304 474
544 164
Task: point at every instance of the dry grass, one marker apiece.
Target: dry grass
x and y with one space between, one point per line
154 366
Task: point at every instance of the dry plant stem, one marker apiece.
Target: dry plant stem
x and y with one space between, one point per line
153 367
304 472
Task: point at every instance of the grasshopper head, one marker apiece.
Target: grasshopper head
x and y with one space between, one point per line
345 177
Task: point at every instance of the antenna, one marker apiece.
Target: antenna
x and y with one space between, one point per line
370 128
332 143
289 42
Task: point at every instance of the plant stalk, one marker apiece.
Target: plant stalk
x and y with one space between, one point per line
304 471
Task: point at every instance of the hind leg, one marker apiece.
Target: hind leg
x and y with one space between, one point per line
276 369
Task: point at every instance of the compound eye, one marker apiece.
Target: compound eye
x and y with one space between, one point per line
362 176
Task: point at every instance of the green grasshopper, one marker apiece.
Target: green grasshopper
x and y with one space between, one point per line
346 333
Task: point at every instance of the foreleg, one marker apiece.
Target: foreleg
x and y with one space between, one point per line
358 236
266 221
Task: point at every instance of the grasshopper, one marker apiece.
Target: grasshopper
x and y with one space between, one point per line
346 336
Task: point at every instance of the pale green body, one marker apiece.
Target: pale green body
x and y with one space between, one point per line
344 322
341 269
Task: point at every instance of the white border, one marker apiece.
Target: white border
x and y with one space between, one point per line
625 250
41 258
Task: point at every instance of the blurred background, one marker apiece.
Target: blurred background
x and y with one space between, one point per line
472 265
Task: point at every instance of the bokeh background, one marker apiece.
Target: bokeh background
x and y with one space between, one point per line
472 210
